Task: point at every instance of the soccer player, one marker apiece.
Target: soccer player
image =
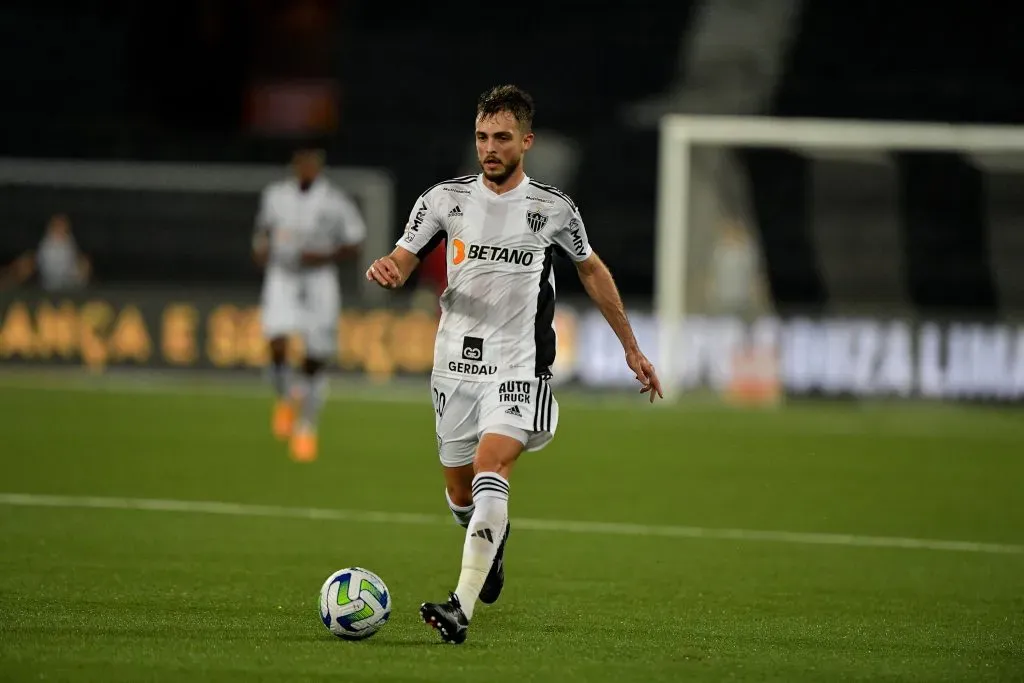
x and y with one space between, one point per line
495 343
61 265
305 226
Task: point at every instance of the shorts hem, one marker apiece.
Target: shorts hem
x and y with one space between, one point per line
539 441
518 433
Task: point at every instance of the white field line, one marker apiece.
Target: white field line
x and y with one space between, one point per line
558 526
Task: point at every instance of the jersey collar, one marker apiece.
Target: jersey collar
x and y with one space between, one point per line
317 186
511 194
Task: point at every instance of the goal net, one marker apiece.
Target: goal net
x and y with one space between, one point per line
799 256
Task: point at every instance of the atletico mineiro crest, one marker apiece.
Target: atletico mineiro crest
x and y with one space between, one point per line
536 220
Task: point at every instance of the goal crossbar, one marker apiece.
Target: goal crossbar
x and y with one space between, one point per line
680 133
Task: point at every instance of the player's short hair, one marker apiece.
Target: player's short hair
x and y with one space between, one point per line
510 98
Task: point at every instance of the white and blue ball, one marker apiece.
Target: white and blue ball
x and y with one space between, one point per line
354 603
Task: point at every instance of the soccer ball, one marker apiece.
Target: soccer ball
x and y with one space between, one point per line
354 603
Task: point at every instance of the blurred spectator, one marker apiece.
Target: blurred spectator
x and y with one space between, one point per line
58 261
733 286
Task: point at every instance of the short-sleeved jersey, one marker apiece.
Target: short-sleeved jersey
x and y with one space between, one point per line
497 313
320 219
57 260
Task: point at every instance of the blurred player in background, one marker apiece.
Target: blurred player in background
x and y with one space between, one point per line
496 340
733 284
304 228
58 261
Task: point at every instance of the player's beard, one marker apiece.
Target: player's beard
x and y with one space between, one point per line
502 174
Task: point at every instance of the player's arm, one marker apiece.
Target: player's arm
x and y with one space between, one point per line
601 289
600 286
84 267
20 270
341 253
393 270
423 232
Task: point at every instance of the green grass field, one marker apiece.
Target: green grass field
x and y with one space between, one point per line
746 546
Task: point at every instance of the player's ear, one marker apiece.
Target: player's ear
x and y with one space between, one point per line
528 141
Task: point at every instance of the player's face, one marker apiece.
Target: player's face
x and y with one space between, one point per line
307 165
500 145
60 227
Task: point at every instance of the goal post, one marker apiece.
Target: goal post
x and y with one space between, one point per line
683 138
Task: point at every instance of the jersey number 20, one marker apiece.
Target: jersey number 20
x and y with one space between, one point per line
439 401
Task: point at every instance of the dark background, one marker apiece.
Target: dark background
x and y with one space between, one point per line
163 80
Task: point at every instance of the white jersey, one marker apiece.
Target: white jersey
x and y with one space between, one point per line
497 313
57 259
321 219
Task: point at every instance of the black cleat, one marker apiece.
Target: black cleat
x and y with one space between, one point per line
495 580
448 618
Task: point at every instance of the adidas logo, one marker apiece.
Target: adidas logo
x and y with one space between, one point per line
455 212
484 534
514 410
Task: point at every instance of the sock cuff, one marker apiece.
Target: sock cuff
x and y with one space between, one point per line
490 485
457 508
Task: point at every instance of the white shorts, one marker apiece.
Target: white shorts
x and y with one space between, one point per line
464 411
307 304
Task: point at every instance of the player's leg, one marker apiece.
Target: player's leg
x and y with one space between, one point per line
515 416
459 496
485 533
456 414
280 373
483 551
321 310
524 410
458 491
278 319
311 394
455 419
280 376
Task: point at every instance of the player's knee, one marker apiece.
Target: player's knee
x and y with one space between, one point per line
278 349
499 448
458 484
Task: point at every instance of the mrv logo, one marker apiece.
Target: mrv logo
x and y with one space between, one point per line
577 239
417 220
484 252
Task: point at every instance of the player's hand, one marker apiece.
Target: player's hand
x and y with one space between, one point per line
645 373
385 272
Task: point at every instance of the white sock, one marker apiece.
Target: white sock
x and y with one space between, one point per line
462 514
314 395
483 535
280 377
